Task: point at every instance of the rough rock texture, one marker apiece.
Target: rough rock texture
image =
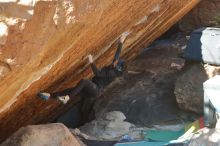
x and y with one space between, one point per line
206 137
105 128
24 29
207 13
189 86
45 43
42 135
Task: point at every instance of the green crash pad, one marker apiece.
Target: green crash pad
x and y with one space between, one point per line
162 135
141 143
168 135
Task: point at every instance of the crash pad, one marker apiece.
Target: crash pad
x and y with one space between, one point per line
141 143
168 135
162 135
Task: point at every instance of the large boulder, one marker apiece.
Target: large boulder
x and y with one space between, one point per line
42 135
45 44
189 86
207 13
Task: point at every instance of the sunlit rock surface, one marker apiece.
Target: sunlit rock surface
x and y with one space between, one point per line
43 45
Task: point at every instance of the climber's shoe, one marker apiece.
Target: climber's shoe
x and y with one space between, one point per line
63 99
44 95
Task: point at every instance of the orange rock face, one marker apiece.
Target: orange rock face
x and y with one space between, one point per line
44 43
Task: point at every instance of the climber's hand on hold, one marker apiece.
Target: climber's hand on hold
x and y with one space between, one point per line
90 58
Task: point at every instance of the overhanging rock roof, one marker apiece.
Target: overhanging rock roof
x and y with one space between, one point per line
50 44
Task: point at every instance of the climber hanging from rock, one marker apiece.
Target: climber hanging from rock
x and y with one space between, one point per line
102 78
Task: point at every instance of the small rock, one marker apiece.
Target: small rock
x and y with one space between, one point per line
176 66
